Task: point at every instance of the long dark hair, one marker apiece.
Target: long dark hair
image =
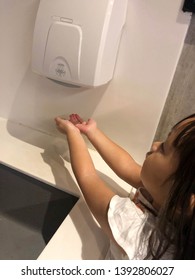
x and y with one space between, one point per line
175 229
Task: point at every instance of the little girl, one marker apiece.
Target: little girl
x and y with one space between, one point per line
160 221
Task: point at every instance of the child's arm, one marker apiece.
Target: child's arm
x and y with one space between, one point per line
116 157
95 191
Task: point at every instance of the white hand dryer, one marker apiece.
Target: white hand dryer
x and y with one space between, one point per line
76 41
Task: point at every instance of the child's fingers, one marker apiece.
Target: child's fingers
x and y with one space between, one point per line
61 122
58 120
75 119
79 118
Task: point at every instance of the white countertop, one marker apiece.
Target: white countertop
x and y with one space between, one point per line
45 157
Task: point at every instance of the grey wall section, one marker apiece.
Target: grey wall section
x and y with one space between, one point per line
181 98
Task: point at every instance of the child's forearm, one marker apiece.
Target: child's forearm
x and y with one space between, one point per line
95 191
116 157
81 162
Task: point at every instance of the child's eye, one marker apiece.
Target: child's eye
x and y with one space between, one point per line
162 147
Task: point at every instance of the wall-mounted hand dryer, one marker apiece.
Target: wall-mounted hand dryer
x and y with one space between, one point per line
76 41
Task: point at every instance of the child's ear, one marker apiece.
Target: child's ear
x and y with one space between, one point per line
192 202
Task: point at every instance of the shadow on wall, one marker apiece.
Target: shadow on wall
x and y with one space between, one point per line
39 100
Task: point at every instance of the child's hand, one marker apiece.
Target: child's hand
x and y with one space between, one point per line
84 127
65 126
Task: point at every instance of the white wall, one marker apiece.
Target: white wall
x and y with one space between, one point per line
128 108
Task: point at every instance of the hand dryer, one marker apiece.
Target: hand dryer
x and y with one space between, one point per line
76 41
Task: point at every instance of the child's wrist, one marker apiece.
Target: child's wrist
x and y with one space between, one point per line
92 133
72 130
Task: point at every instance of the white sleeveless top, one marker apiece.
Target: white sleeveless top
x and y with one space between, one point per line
127 221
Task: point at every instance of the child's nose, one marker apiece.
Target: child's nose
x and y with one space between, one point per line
155 146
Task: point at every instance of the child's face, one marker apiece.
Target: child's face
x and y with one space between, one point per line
160 163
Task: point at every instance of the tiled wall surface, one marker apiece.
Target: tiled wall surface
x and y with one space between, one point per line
181 99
